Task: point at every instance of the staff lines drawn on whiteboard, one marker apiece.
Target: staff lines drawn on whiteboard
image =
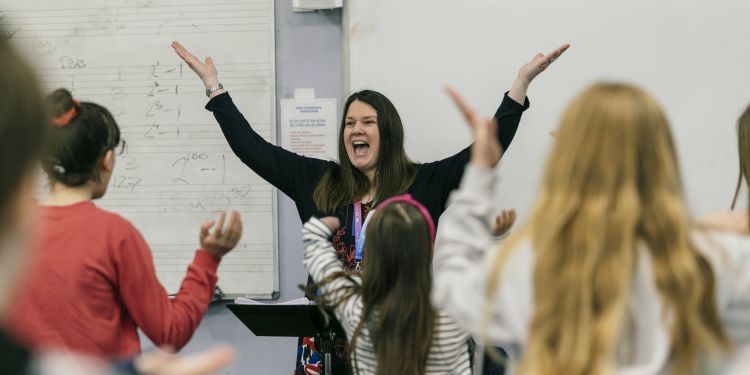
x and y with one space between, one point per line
83 32
170 137
191 129
189 137
208 197
36 14
136 21
180 246
225 268
205 126
237 81
179 5
145 88
160 188
225 67
114 77
243 254
57 17
235 261
200 127
148 72
39 27
246 249
20 35
175 169
164 209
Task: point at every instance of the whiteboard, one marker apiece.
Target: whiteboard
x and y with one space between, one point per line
178 170
691 54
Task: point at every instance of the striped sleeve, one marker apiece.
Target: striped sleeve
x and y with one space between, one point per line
321 262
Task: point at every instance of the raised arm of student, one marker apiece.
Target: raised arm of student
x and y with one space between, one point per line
326 269
289 172
466 238
166 321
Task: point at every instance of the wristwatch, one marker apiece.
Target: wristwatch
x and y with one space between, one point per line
213 89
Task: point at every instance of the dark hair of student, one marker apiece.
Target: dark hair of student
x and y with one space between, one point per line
82 133
743 146
397 268
343 183
22 125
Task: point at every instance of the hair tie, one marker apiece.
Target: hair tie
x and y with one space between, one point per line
66 117
407 198
56 166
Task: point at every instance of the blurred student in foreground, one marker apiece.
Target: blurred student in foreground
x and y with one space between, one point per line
608 275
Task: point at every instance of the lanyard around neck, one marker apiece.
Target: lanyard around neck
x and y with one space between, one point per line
360 229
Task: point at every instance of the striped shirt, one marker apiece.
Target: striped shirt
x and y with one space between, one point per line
449 351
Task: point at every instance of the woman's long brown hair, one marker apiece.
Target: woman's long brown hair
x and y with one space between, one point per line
611 193
342 183
743 149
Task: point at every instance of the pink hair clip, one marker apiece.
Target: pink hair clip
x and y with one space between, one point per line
407 198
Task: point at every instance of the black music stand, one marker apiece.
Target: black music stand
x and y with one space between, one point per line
291 321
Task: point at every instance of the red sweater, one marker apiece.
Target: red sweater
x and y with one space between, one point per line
91 283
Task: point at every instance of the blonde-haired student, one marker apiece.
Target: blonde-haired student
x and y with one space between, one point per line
608 275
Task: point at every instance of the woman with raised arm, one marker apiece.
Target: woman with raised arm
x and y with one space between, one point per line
373 166
608 275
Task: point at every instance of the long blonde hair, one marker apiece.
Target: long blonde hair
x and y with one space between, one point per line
612 184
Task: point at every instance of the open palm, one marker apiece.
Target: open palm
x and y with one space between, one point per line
206 70
540 63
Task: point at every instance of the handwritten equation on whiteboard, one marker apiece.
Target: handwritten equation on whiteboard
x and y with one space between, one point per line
176 170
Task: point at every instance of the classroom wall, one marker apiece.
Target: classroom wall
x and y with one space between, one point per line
308 55
690 54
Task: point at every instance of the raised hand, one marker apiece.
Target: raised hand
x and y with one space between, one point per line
206 70
222 238
331 222
486 150
540 63
503 222
531 69
164 362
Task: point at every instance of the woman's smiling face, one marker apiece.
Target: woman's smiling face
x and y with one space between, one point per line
362 137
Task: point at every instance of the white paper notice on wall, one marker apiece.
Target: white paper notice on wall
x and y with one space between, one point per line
312 5
308 126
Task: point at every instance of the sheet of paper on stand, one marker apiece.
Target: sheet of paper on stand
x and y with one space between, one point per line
248 301
313 5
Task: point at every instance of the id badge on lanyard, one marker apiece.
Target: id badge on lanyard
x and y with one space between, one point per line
360 229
